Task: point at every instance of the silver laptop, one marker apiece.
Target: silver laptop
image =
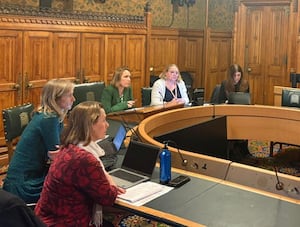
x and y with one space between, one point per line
137 166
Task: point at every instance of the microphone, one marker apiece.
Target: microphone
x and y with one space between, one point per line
128 128
162 98
279 185
214 111
138 116
184 161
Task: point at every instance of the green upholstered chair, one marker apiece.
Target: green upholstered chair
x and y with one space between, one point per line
146 95
88 92
15 119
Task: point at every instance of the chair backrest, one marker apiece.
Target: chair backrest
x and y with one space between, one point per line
215 94
188 80
198 96
153 78
146 95
15 119
295 79
290 97
88 92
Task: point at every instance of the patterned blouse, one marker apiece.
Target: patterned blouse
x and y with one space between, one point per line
74 183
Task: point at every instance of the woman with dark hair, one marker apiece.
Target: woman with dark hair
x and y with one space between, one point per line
238 149
234 83
118 95
39 141
77 185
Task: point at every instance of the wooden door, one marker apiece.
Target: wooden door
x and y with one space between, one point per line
37 64
115 54
265 49
92 57
66 55
190 58
10 72
163 51
135 60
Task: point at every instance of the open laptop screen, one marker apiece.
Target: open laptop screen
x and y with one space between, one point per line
140 158
119 138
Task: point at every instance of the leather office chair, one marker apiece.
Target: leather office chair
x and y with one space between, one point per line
153 78
88 92
15 119
188 80
146 95
14 212
295 79
198 97
215 94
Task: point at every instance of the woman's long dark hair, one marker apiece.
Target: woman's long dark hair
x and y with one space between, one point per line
242 85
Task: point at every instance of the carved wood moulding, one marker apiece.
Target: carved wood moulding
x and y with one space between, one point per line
55 17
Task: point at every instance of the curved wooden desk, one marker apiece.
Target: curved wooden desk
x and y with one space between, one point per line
243 122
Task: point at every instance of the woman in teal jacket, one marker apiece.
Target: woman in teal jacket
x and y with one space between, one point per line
28 167
118 95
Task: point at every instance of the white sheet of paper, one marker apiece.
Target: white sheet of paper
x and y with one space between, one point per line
144 192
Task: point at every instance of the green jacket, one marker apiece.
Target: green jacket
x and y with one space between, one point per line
111 100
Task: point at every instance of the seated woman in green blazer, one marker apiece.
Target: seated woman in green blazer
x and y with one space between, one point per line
118 95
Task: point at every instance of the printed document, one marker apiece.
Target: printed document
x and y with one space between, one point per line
144 192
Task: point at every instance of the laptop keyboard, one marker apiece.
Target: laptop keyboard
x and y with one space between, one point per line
126 176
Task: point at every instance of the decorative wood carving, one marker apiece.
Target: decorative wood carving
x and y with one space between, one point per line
94 19
295 6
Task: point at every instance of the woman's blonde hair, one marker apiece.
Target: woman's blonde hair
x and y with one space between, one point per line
80 122
164 72
52 91
117 75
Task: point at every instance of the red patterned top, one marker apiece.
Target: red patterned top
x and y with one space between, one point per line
74 183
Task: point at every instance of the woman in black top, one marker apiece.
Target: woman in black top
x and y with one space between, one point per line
234 83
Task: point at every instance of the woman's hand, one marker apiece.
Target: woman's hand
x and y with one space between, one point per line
121 190
177 100
130 103
52 154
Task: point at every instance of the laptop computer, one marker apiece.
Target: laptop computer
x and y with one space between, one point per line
112 148
137 166
239 98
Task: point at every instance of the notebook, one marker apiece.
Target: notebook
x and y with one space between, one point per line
112 148
137 166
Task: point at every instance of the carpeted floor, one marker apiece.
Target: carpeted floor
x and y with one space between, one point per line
286 160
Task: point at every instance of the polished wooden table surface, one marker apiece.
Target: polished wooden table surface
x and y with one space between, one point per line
136 115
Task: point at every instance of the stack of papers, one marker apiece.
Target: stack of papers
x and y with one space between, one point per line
144 192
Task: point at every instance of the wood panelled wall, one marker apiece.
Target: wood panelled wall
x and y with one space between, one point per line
36 49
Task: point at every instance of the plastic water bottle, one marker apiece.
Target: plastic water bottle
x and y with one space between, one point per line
165 165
